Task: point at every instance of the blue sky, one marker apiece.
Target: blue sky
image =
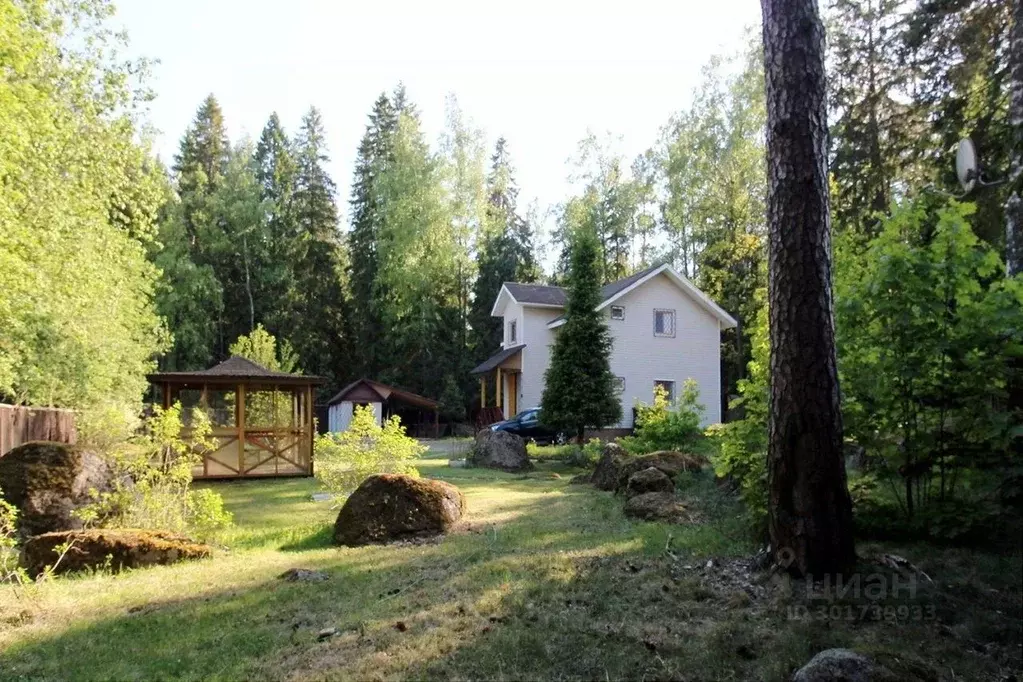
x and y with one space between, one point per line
539 73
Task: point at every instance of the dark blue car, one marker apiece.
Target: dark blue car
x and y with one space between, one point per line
527 425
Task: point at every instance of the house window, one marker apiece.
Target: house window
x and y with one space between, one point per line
664 322
668 386
513 331
617 312
619 385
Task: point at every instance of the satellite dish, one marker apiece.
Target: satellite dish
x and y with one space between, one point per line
966 165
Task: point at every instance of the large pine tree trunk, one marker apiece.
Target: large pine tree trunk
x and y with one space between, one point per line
1014 206
810 513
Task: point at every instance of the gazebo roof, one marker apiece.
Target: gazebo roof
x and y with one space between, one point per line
233 370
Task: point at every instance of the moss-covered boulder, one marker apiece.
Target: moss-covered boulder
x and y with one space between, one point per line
49 481
605 476
655 507
117 548
649 480
390 507
671 463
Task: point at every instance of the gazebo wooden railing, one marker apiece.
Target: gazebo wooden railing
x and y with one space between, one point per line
262 420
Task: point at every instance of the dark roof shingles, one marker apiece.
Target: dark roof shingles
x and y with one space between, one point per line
496 359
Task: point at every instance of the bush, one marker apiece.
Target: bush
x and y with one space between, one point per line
153 480
344 460
667 426
10 571
569 454
742 445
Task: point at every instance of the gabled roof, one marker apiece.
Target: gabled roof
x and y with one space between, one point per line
496 359
616 290
537 294
236 368
386 393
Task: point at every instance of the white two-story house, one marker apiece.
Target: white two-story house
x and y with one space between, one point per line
664 330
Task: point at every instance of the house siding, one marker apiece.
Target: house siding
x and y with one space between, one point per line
536 355
642 358
637 355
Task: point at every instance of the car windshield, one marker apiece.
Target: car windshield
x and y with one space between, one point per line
526 415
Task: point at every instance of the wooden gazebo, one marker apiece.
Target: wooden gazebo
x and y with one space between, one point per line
262 419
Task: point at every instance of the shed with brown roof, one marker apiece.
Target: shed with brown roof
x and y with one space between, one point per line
419 415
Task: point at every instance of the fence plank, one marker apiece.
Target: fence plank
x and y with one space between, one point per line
23 424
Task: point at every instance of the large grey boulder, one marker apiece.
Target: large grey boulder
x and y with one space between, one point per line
500 450
48 481
391 507
842 665
605 476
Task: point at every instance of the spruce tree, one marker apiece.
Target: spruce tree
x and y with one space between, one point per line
373 156
505 253
275 172
320 338
200 166
579 387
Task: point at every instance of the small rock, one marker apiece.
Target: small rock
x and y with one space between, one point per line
303 575
842 665
710 563
325 634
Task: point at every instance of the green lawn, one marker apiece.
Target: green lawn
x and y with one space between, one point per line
548 580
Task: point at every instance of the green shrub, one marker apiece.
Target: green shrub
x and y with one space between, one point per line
153 480
667 426
344 460
569 454
742 444
10 571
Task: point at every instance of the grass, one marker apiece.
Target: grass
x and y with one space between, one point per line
548 581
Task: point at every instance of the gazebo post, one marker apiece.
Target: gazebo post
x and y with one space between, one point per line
240 392
310 428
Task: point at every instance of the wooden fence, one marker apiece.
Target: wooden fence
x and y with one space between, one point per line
22 424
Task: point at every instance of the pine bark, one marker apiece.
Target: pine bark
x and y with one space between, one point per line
810 512
1014 205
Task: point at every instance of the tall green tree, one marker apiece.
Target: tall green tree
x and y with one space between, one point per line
319 331
416 287
579 387
505 253
276 173
78 206
876 128
959 50
200 166
374 157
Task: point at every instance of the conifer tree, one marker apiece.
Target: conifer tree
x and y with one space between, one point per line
579 387
373 156
200 165
320 338
505 253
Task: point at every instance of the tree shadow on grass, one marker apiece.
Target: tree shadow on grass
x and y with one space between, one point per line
562 586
